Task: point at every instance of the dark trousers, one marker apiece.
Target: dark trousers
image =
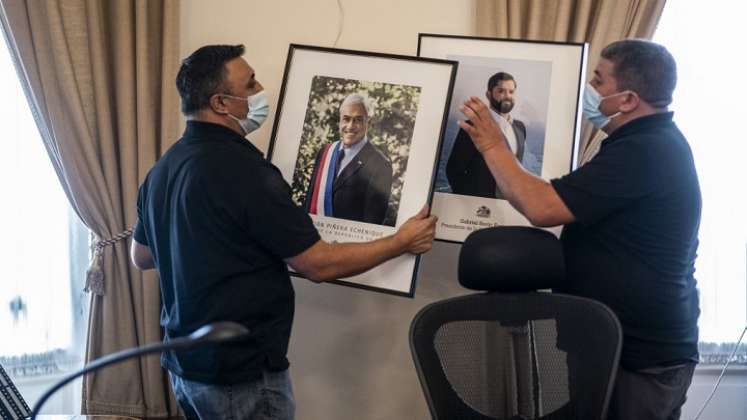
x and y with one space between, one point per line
656 393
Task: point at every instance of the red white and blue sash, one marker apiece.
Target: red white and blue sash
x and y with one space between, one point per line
321 194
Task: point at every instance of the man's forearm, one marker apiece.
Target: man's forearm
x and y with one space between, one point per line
531 195
324 261
348 259
329 261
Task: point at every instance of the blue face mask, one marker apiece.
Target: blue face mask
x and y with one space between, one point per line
258 110
591 101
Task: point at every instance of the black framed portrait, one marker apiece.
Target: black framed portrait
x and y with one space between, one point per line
357 135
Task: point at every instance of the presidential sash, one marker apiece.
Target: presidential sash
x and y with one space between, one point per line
321 194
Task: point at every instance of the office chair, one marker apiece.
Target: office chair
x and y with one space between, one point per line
514 353
12 404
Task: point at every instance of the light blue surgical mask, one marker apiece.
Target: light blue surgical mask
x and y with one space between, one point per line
259 108
591 101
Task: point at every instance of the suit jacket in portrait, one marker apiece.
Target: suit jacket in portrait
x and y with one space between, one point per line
361 191
466 170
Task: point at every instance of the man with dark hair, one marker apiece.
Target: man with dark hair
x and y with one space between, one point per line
631 218
466 169
217 221
352 178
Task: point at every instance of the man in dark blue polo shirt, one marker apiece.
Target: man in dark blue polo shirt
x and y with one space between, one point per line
631 218
217 221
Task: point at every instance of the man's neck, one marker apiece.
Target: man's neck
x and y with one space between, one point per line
356 146
210 117
644 110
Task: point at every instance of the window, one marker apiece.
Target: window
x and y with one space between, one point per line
709 107
43 254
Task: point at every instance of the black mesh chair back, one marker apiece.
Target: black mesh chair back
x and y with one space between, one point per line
516 356
12 405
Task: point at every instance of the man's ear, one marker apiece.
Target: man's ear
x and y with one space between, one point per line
630 102
217 104
488 96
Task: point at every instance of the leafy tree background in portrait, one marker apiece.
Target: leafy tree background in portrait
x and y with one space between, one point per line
390 128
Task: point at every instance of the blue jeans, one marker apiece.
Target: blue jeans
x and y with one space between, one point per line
268 398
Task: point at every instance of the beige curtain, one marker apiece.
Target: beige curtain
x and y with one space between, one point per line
99 76
598 22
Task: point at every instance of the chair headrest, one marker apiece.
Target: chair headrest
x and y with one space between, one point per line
511 259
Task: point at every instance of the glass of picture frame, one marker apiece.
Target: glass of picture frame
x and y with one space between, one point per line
357 135
534 91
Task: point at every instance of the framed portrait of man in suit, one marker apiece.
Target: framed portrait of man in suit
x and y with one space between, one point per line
533 90
357 137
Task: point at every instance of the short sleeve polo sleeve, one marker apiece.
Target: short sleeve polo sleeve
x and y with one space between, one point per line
615 178
275 221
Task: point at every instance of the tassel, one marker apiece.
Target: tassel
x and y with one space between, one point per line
95 272
95 276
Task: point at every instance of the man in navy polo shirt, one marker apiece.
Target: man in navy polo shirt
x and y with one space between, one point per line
217 221
631 218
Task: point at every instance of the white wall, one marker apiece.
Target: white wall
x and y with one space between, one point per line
267 27
349 355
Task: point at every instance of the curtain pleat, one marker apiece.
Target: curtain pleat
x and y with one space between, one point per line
99 75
